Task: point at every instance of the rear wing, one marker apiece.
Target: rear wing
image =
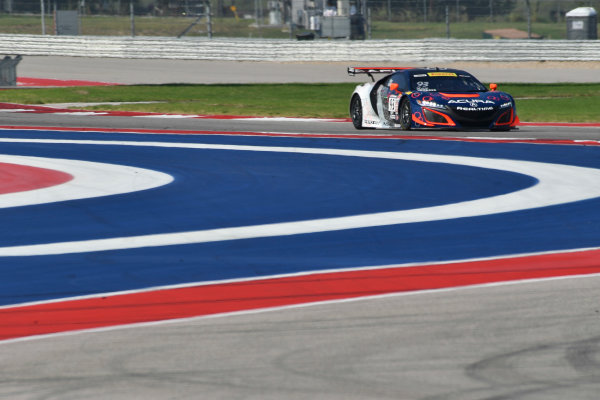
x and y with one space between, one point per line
352 71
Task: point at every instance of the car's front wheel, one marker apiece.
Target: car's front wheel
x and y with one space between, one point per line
405 114
356 112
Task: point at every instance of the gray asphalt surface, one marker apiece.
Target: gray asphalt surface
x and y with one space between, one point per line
280 126
533 341
536 340
128 71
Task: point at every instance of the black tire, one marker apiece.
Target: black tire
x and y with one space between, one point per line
405 117
356 112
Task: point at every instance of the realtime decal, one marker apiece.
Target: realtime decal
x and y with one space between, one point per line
474 108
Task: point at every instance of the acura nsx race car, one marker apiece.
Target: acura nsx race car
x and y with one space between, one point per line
411 98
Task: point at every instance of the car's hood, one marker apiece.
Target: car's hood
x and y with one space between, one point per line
471 100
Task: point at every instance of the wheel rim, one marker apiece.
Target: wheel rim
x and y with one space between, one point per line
356 111
405 114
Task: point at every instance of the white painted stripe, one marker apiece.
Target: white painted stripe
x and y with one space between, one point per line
289 119
80 113
90 179
557 184
167 116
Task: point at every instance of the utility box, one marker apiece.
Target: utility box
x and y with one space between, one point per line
67 22
8 70
335 27
582 24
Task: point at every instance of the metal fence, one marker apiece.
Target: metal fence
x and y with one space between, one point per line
384 19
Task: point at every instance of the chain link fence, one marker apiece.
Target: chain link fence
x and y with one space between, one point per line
378 19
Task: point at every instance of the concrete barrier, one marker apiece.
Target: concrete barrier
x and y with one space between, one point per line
236 49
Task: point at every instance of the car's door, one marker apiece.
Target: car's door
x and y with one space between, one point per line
390 94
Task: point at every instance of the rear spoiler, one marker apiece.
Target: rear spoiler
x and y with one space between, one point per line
352 71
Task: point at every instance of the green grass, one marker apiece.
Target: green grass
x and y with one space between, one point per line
576 109
557 102
561 102
144 26
460 30
230 27
299 100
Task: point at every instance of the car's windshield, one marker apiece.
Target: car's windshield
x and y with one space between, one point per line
445 82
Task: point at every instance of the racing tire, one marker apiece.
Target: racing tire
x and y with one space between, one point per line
356 112
405 115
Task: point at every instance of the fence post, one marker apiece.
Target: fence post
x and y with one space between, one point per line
131 18
528 4
42 11
208 20
447 22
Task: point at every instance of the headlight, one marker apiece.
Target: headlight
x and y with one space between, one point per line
432 104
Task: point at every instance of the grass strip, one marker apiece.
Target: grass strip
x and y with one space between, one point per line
115 25
561 102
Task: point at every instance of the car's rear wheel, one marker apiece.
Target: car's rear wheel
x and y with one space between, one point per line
356 112
405 114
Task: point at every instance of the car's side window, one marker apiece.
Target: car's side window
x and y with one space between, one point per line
400 80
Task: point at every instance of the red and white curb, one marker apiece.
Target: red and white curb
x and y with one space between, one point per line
23 108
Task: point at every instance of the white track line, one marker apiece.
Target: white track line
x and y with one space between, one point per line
90 179
557 184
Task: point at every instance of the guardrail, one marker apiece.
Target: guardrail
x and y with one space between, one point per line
425 50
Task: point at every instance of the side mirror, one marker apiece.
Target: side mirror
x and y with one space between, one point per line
394 87
493 87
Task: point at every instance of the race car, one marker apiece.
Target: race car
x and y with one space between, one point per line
413 98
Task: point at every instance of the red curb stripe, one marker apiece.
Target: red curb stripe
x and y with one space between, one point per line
24 81
563 124
43 109
20 178
204 300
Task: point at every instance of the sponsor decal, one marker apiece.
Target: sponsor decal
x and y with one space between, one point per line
442 74
393 104
423 86
429 103
474 108
471 102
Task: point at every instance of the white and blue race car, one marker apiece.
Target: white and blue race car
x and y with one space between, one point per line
413 98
